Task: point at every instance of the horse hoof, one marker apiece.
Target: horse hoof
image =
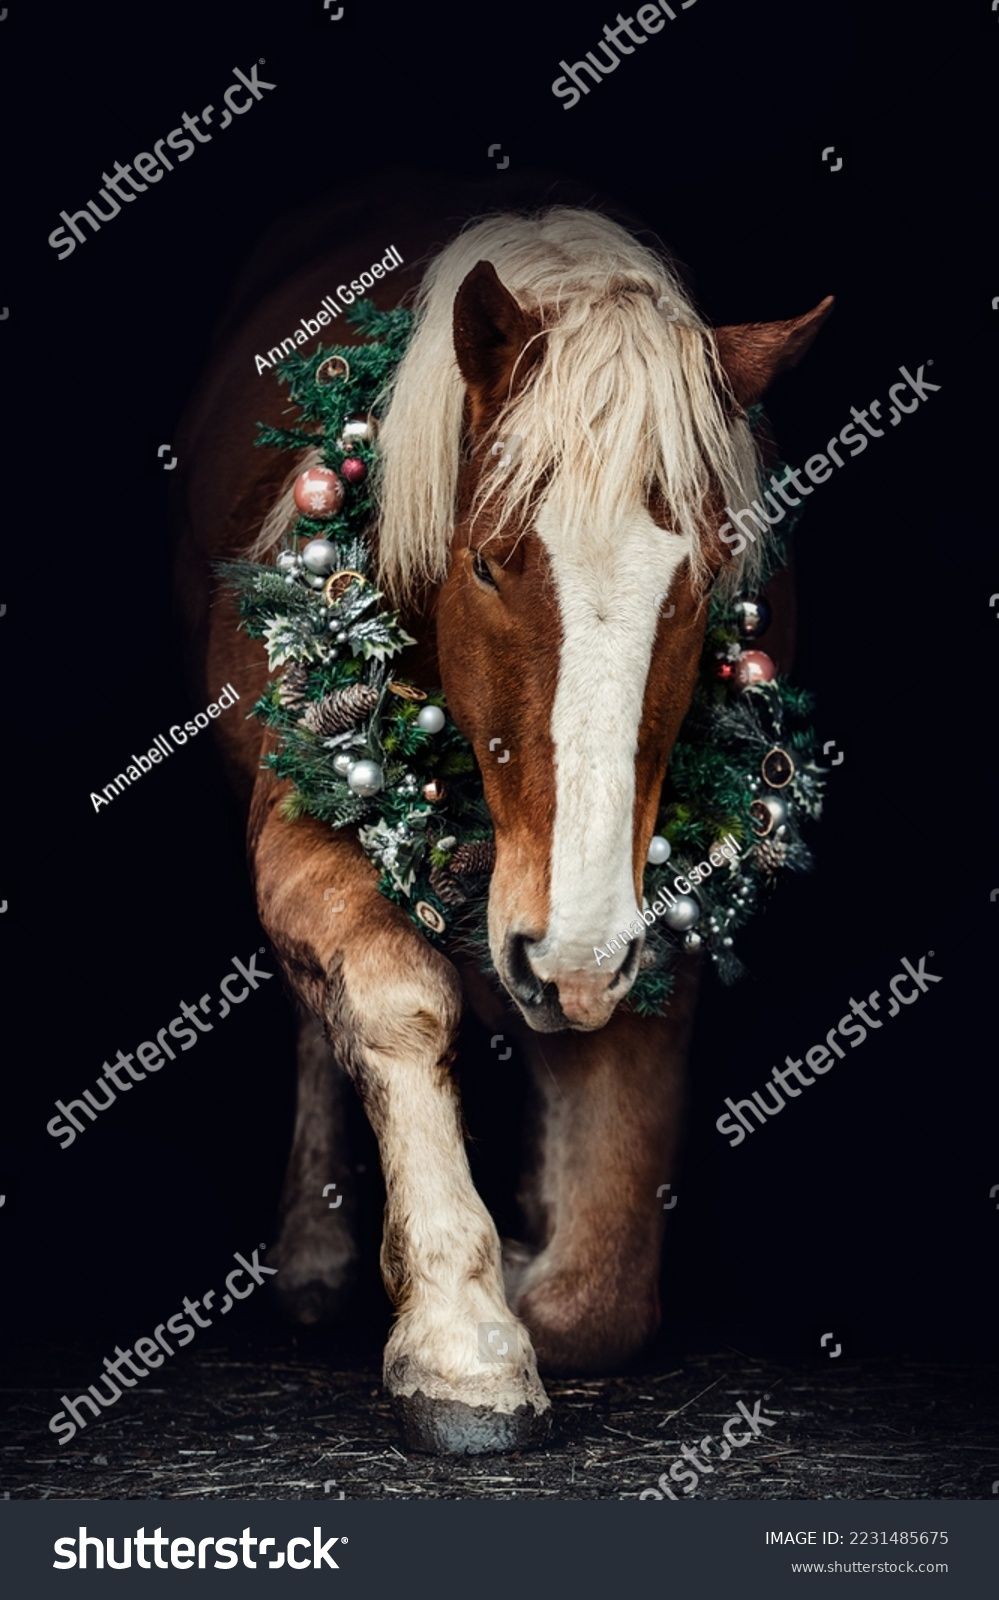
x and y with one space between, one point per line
314 1303
316 1273
452 1428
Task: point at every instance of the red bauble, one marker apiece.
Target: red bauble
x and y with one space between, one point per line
752 667
353 470
318 492
724 670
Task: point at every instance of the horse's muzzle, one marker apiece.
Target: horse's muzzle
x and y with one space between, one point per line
556 993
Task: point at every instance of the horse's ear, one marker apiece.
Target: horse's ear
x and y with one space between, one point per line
753 353
491 333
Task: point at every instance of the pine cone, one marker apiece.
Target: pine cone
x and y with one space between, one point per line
293 686
342 709
446 888
771 855
474 859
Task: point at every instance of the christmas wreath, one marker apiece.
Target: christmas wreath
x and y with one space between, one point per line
364 749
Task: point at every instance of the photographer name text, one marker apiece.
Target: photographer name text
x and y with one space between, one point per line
329 310
162 747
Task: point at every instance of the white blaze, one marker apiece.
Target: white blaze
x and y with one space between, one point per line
610 588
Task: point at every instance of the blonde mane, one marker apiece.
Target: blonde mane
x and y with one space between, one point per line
626 400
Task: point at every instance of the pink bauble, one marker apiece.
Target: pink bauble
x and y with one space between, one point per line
754 666
353 470
318 492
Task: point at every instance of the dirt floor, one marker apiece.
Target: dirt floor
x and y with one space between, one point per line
280 1422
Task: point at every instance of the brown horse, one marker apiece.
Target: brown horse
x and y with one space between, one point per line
559 449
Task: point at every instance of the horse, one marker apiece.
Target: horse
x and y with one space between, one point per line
558 451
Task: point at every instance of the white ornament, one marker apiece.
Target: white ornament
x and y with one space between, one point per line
365 778
660 850
682 914
430 719
319 556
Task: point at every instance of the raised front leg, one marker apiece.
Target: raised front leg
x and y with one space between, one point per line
458 1364
611 1109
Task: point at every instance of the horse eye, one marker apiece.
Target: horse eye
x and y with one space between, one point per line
480 566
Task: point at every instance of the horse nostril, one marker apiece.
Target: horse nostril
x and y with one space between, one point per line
629 966
523 979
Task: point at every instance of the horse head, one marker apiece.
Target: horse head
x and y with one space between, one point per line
566 435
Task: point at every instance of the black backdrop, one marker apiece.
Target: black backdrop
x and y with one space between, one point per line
866 1209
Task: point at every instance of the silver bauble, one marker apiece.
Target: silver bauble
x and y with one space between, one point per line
430 719
358 429
365 778
342 763
752 616
682 914
319 556
288 561
315 580
692 940
660 850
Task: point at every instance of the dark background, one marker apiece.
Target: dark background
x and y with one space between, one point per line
866 1209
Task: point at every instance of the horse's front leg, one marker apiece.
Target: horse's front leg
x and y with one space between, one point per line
458 1364
611 1109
